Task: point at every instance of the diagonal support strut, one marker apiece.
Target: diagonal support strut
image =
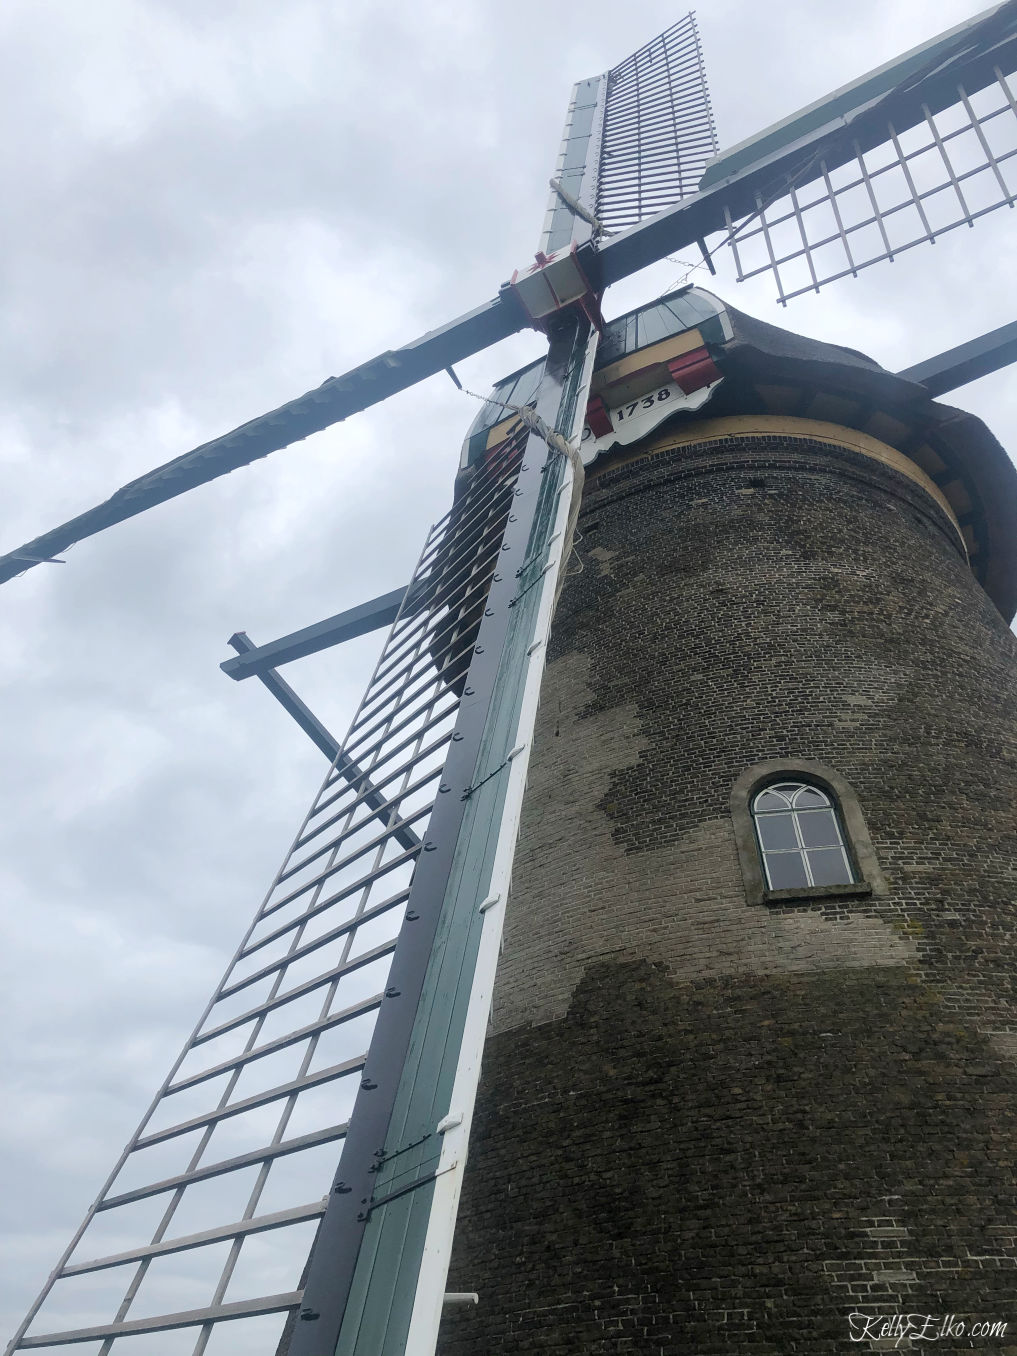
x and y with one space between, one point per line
324 740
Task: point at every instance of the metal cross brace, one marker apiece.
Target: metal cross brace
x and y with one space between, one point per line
325 741
255 660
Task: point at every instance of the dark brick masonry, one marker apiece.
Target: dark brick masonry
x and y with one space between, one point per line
706 1126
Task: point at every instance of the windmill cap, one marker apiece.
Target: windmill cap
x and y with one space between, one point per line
772 370
719 360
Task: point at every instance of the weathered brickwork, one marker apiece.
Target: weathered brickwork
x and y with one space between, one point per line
706 1126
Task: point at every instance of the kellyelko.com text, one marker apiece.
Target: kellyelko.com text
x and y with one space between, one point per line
920 1327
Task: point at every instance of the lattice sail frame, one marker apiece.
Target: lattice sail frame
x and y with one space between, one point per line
258 1102
636 140
659 132
911 182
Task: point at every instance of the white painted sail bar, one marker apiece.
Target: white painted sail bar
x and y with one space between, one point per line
422 1337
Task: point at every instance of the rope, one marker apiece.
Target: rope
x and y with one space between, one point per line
557 443
533 422
578 210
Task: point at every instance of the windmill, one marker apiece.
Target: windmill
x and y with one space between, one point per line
484 501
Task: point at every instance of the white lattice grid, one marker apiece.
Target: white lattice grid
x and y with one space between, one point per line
216 1199
659 131
947 171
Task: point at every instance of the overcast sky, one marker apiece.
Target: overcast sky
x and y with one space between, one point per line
208 208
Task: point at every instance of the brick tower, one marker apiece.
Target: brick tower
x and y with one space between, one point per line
753 1059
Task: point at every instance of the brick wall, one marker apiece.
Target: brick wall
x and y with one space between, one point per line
706 1126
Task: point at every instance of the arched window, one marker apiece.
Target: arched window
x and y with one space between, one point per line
800 835
800 838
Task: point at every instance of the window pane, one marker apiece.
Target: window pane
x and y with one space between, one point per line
809 796
771 800
819 828
786 870
777 831
829 867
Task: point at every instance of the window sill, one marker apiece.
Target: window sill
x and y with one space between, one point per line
806 894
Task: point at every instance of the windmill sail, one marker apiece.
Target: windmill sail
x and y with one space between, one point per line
659 133
637 139
916 148
331 1029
